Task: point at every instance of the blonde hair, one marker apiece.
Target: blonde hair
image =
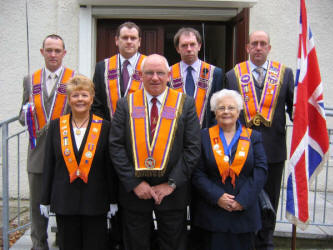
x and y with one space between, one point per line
80 82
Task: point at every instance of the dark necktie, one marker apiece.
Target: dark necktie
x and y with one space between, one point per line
261 75
153 116
189 83
125 74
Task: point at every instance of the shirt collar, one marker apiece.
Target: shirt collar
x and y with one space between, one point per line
195 65
253 66
57 72
132 60
159 97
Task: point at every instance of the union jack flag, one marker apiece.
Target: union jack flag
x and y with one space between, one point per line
309 144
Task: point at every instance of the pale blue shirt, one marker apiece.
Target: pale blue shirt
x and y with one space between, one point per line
195 72
253 67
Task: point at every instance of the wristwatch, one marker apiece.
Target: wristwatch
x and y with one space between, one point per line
172 183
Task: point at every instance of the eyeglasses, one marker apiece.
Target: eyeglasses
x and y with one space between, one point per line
152 73
229 108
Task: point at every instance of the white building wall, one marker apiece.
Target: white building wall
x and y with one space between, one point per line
279 18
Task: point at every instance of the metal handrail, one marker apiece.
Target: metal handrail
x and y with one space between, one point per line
4 126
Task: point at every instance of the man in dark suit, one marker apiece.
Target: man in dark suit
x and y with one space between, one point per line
154 146
204 79
44 99
267 88
118 75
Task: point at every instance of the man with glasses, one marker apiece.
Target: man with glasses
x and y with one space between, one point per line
154 146
267 88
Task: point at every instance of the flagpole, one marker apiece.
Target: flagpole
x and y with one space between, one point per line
293 238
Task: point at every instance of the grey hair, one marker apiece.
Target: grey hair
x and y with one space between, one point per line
218 96
163 58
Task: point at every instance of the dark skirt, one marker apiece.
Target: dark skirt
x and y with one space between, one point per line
229 241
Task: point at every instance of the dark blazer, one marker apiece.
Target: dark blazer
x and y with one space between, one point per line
216 85
185 153
207 181
274 137
100 104
78 198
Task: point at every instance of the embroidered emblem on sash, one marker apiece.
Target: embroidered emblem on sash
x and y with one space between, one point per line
82 170
151 155
202 87
59 100
222 161
262 112
112 81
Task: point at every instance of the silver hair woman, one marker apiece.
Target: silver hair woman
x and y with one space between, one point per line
231 173
217 96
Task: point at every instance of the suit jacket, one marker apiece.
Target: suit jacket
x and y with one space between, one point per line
78 198
36 155
100 104
274 137
183 157
207 181
216 85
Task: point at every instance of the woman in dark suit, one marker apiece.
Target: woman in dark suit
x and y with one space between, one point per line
78 176
229 177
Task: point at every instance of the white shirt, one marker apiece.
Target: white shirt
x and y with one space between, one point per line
253 67
159 102
132 63
48 81
79 138
195 72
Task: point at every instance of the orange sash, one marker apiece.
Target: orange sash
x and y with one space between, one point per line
263 112
113 81
151 158
202 87
59 99
82 170
222 160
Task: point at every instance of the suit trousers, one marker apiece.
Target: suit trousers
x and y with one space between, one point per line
38 222
264 238
171 229
81 232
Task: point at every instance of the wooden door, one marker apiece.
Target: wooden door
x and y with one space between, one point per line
152 40
237 38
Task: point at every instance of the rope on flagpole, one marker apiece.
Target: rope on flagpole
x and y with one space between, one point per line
27 27
203 41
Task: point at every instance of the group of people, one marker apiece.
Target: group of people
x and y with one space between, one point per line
144 138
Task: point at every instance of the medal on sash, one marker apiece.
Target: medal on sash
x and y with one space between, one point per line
222 161
82 170
151 155
262 112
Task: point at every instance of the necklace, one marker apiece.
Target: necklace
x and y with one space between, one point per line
78 128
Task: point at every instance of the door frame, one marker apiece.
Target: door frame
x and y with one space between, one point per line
89 14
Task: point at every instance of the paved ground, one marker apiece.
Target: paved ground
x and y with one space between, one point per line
283 230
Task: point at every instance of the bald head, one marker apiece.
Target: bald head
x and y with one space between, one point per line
258 47
155 74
